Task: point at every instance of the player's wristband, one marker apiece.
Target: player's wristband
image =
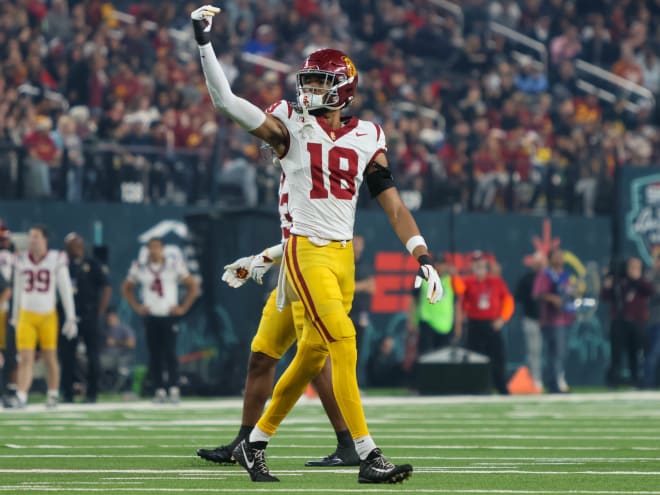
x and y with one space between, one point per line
414 242
424 259
274 252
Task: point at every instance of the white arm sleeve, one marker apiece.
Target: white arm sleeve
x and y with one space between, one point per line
241 111
274 252
16 296
66 292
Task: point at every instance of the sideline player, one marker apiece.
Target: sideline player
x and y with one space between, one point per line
159 277
276 333
325 159
36 274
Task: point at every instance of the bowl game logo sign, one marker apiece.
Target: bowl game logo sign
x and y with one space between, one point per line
643 220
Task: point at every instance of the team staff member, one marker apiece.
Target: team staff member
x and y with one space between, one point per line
488 306
436 324
159 278
34 313
92 292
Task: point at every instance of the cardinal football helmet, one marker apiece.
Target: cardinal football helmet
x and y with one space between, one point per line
336 71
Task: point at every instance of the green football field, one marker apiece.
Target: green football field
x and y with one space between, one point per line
582 444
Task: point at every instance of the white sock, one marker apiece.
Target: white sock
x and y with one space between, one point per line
21 396
257 435
364 445
54 394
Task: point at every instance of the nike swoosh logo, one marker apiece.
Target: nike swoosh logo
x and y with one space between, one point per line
360 134
379 470
250 465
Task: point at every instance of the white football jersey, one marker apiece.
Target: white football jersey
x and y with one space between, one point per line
159 283
6 269
324 170
36 280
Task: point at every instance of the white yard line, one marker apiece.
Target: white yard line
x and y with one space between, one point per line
325 471
56 488
236 403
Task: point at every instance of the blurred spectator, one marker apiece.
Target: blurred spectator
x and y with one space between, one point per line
43 163
70 146
488 306
365 286
628 293
652 344
432 72
555 292
649 63
263 42
530 323
566 46
384 365
627 66
118 354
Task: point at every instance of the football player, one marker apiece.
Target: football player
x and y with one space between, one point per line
37 273
325 158
6 269
159 277
276 333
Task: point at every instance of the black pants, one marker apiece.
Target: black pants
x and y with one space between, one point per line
430 339
626 337
483 338
161 343
88 331
9 353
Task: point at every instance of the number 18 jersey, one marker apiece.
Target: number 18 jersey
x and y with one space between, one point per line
324 169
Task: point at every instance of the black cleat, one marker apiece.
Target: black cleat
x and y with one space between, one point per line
220 455
254 462
343 456
377 469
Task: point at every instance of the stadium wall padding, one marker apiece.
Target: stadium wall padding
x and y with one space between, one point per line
214 340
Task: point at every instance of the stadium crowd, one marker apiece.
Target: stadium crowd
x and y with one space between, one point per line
108 101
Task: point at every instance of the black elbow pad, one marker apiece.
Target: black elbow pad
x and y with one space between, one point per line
379 180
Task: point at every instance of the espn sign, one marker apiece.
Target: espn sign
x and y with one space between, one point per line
394 278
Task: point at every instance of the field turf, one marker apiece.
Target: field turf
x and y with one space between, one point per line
574 444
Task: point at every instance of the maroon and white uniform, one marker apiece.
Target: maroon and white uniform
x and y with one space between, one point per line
333 162
159 283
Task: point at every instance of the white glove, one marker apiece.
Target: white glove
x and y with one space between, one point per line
434 290
259 266
70 329
202 20
237 273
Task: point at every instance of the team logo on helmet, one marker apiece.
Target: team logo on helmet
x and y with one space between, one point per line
351 70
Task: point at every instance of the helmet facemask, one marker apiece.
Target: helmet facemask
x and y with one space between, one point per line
324 93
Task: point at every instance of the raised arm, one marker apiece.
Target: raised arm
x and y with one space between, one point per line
244 113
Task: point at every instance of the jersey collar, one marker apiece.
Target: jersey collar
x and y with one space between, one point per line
36 261
349 123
